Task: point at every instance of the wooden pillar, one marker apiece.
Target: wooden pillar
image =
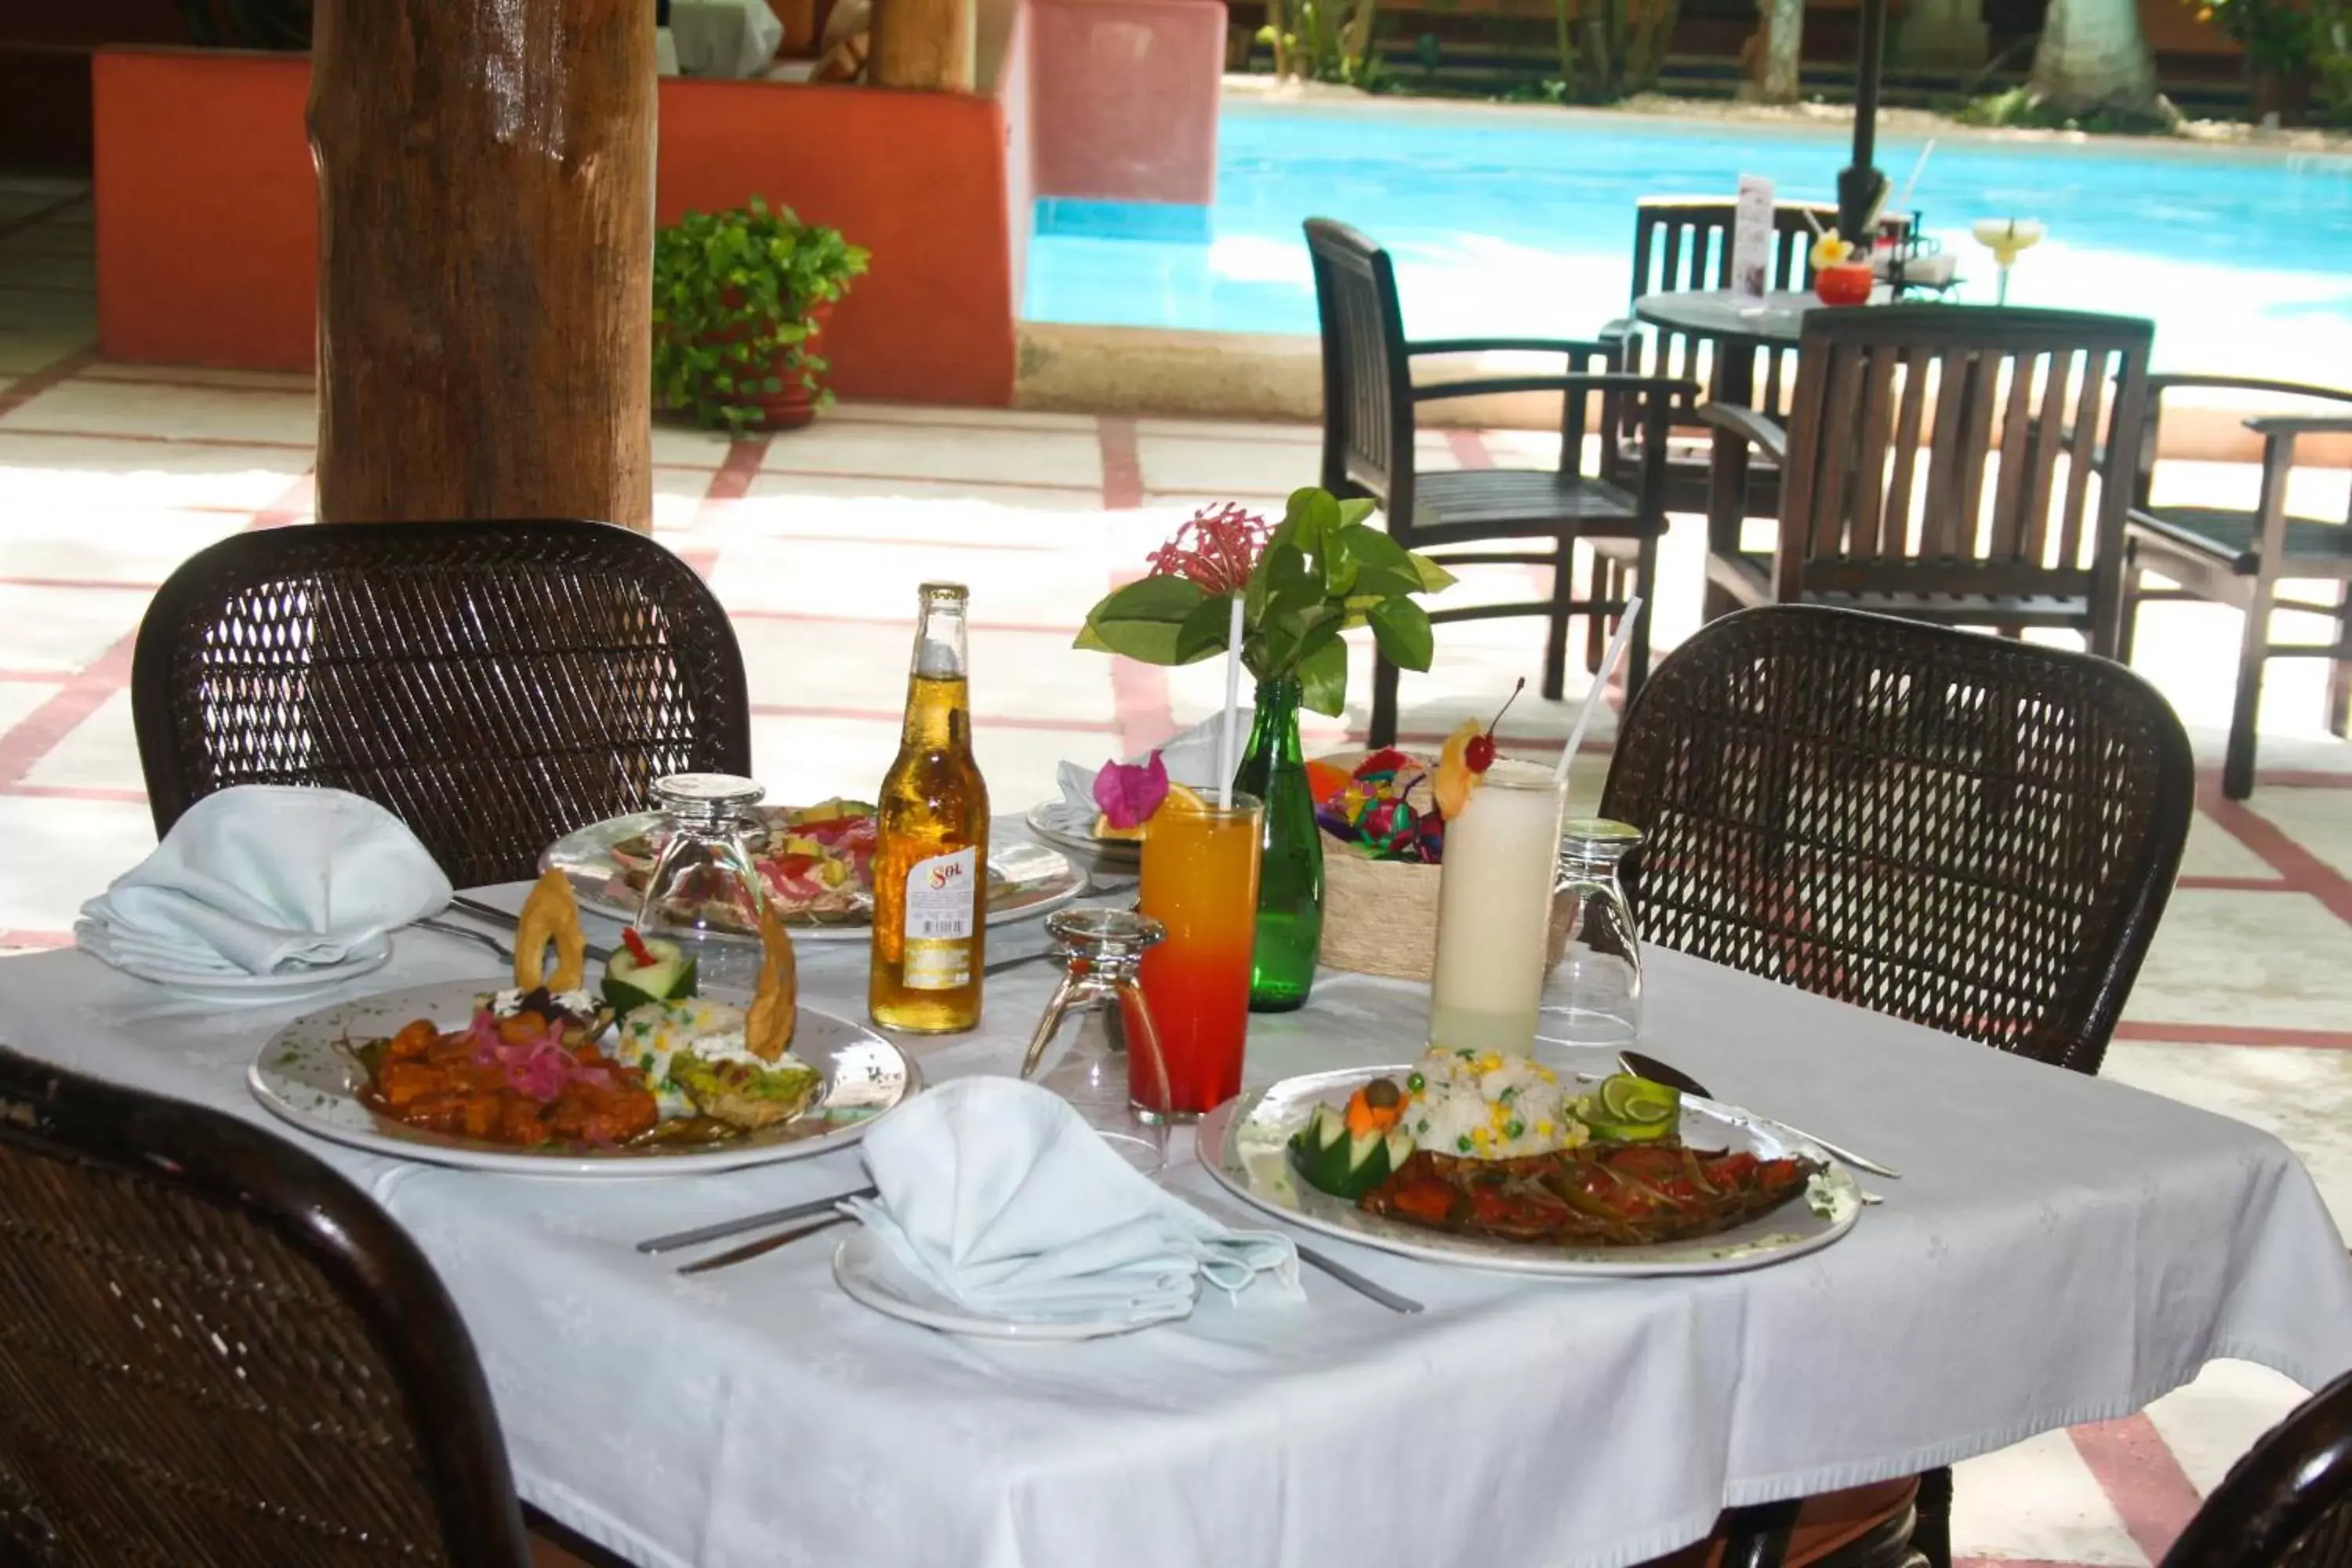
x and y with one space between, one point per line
926 44
485 246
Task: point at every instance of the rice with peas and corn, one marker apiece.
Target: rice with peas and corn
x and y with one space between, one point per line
1488 1105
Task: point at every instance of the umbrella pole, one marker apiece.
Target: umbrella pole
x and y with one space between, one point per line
1862 188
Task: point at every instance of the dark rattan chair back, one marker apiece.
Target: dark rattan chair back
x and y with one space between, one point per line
2288 1503
1368 420
494 684
216 1353
1974 834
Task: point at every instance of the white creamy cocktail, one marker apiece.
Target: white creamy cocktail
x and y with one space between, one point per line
1493 909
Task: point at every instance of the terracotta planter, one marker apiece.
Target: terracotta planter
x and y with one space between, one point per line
796 405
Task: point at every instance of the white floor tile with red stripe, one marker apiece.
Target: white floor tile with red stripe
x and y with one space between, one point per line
111 474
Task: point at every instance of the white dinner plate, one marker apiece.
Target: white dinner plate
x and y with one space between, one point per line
1025 881
868 1272
1073 828
286 986
307 1075
1244 1144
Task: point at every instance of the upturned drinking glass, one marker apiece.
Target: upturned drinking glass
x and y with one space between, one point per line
704 893
1595 994
1096 1046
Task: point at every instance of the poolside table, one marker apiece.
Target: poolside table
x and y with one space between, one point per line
2061 1250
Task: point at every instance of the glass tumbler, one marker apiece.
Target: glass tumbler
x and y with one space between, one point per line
1595 995
1096 1046
1201 883
704 893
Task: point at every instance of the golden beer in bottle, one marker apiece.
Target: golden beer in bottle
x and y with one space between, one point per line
930 855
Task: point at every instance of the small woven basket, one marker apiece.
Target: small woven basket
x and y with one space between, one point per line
1379 916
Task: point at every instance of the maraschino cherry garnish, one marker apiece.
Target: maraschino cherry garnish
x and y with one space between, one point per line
1480 752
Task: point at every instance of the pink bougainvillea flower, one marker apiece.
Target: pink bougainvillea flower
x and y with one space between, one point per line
1217 549
1129 792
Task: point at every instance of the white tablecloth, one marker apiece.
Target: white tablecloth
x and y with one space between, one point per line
724 37
2061 1249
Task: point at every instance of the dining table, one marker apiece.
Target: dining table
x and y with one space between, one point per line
2058 1249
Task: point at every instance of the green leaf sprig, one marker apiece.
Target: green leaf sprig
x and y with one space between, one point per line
1324 570
733 292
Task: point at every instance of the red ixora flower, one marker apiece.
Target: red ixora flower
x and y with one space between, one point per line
1216 548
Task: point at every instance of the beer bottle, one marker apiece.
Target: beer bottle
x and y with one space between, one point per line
931 856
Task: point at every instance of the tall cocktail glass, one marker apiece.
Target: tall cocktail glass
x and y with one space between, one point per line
1200 882
1494 910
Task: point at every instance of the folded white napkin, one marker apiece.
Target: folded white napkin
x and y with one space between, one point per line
265 879
997 1192
1190 755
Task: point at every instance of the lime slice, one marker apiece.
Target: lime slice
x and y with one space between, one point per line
1624 1097
1629 1132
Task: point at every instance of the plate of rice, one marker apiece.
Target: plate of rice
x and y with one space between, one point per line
1492 1106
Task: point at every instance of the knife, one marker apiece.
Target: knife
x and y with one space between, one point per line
761 1248
727 1227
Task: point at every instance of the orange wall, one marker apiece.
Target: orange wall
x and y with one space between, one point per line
207 225
207 208
918 178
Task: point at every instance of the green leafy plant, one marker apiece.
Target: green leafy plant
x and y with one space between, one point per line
1321 570
2275 35
734 292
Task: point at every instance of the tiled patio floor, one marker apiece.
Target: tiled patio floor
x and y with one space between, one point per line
111 474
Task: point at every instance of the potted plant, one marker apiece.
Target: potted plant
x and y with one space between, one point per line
741 301
1321 570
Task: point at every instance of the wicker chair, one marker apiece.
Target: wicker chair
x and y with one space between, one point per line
494 684
2238 558
216 1353
1369 401
2288 1503
1970 832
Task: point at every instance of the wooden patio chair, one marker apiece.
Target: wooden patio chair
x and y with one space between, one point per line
495 685
1370 403
1922 474
1973 834
219 1353
1683 244
2240 558
2288 1503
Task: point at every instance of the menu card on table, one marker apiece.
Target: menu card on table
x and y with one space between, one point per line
1751 236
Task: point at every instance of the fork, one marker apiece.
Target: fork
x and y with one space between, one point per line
499 916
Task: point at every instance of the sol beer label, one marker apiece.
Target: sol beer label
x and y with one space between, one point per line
942 908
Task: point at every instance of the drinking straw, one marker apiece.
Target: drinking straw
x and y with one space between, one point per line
1812 223
1903 202
1624 634
1229 738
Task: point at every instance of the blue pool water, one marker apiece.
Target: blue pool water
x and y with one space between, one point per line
1521 220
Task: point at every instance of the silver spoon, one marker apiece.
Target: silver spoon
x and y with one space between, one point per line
1656 1071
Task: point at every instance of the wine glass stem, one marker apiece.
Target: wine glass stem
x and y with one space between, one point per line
2002 297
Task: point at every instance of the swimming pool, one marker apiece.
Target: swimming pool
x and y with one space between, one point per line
1522 220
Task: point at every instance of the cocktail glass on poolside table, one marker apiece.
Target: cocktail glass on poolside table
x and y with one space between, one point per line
1493 909
1200 882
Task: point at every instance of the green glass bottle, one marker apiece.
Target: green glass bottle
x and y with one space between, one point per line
1290 877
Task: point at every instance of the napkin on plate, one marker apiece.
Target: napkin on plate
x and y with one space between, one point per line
265 879
997 1192
1191 756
